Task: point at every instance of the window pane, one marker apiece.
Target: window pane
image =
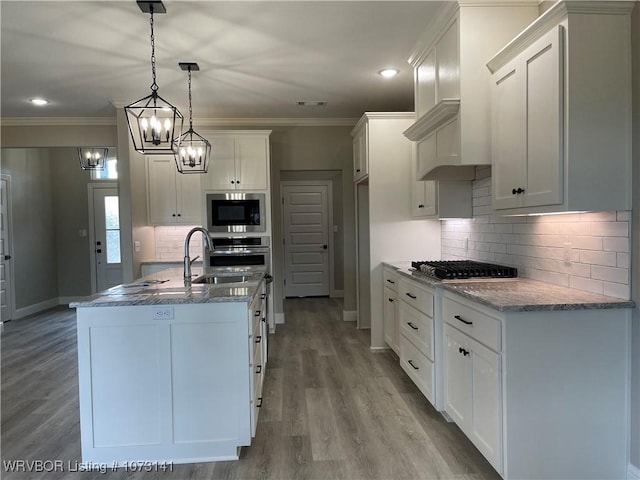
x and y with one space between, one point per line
113 246
111 213
109 173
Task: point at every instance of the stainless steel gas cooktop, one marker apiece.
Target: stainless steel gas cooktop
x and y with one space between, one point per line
464 270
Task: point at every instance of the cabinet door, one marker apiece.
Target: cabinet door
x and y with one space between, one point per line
448 64
543 67
162 190
360 155
189 199
508 142
391 330
251 155
457 381
221 174
486 403
426 84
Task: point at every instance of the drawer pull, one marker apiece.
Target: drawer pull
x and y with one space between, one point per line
391 281
412 326
463 351
466 322
259 404
411 363
259 369
410 296
390 299
257 314
258 338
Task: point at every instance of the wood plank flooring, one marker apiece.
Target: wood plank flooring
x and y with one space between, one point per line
332 409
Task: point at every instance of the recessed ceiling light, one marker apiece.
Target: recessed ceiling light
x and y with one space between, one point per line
389 72
39 101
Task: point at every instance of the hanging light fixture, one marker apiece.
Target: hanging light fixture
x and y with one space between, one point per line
154 123
195 150
92 158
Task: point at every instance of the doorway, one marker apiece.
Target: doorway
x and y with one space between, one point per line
307 214
6 262
104 221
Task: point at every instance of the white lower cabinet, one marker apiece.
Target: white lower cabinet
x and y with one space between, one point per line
416 323
541 394
391 305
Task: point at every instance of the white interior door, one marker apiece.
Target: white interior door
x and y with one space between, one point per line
6 263
106 238
306 240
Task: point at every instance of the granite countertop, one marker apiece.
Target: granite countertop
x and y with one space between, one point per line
519 294
168 287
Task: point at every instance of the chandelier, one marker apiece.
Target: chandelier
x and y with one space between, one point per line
154 123
92 158
194 150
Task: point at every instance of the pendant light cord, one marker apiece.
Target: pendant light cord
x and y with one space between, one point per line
190 109
154 85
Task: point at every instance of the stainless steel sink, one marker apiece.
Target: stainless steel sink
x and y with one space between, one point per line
216 279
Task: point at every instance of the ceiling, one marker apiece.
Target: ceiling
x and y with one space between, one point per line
256 58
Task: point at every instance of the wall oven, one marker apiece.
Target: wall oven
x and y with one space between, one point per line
236 212
240 252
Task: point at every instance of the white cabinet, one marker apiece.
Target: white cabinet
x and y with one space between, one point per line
360 152
473 380
390 293
239 161
560 105
452 128
524 386
173 198
191 380
417 349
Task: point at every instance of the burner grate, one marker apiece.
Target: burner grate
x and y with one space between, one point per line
464 269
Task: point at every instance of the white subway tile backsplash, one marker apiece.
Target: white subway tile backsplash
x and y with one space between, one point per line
599 243
169 242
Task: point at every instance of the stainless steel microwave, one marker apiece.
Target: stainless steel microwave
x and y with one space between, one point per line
236 212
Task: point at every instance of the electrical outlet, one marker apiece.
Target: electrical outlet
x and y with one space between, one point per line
163 313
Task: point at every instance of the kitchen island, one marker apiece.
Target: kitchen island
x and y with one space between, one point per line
170 372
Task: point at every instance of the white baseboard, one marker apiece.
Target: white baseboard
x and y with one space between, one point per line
379 349
35 308
633 472
279 318
337 294
349 315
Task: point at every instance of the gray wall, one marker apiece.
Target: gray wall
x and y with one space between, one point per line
35 263
635 222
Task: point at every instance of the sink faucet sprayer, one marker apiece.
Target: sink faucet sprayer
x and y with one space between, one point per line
187 260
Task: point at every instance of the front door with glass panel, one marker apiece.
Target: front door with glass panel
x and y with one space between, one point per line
106 238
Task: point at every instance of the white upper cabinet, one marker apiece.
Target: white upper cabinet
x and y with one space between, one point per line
452 130
561 112
173 198
360 152
239 161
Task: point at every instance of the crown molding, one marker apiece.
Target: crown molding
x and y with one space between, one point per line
202 122
53 121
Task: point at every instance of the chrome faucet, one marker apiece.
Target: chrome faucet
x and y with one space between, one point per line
187 260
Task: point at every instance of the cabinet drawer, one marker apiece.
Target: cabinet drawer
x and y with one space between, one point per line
416 296
390 279
477 325
417 328
419 368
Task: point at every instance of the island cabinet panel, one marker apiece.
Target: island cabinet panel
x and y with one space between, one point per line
165 383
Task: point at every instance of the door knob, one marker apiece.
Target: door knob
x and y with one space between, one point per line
7 257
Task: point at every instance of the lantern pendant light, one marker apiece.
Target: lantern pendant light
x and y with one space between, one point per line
92 158
155 125
195 150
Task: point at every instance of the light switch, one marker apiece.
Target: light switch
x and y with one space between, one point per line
136 245
82 232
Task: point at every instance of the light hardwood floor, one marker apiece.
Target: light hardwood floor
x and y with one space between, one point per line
332 409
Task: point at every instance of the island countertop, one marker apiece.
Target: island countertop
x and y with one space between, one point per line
519 294
168 287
